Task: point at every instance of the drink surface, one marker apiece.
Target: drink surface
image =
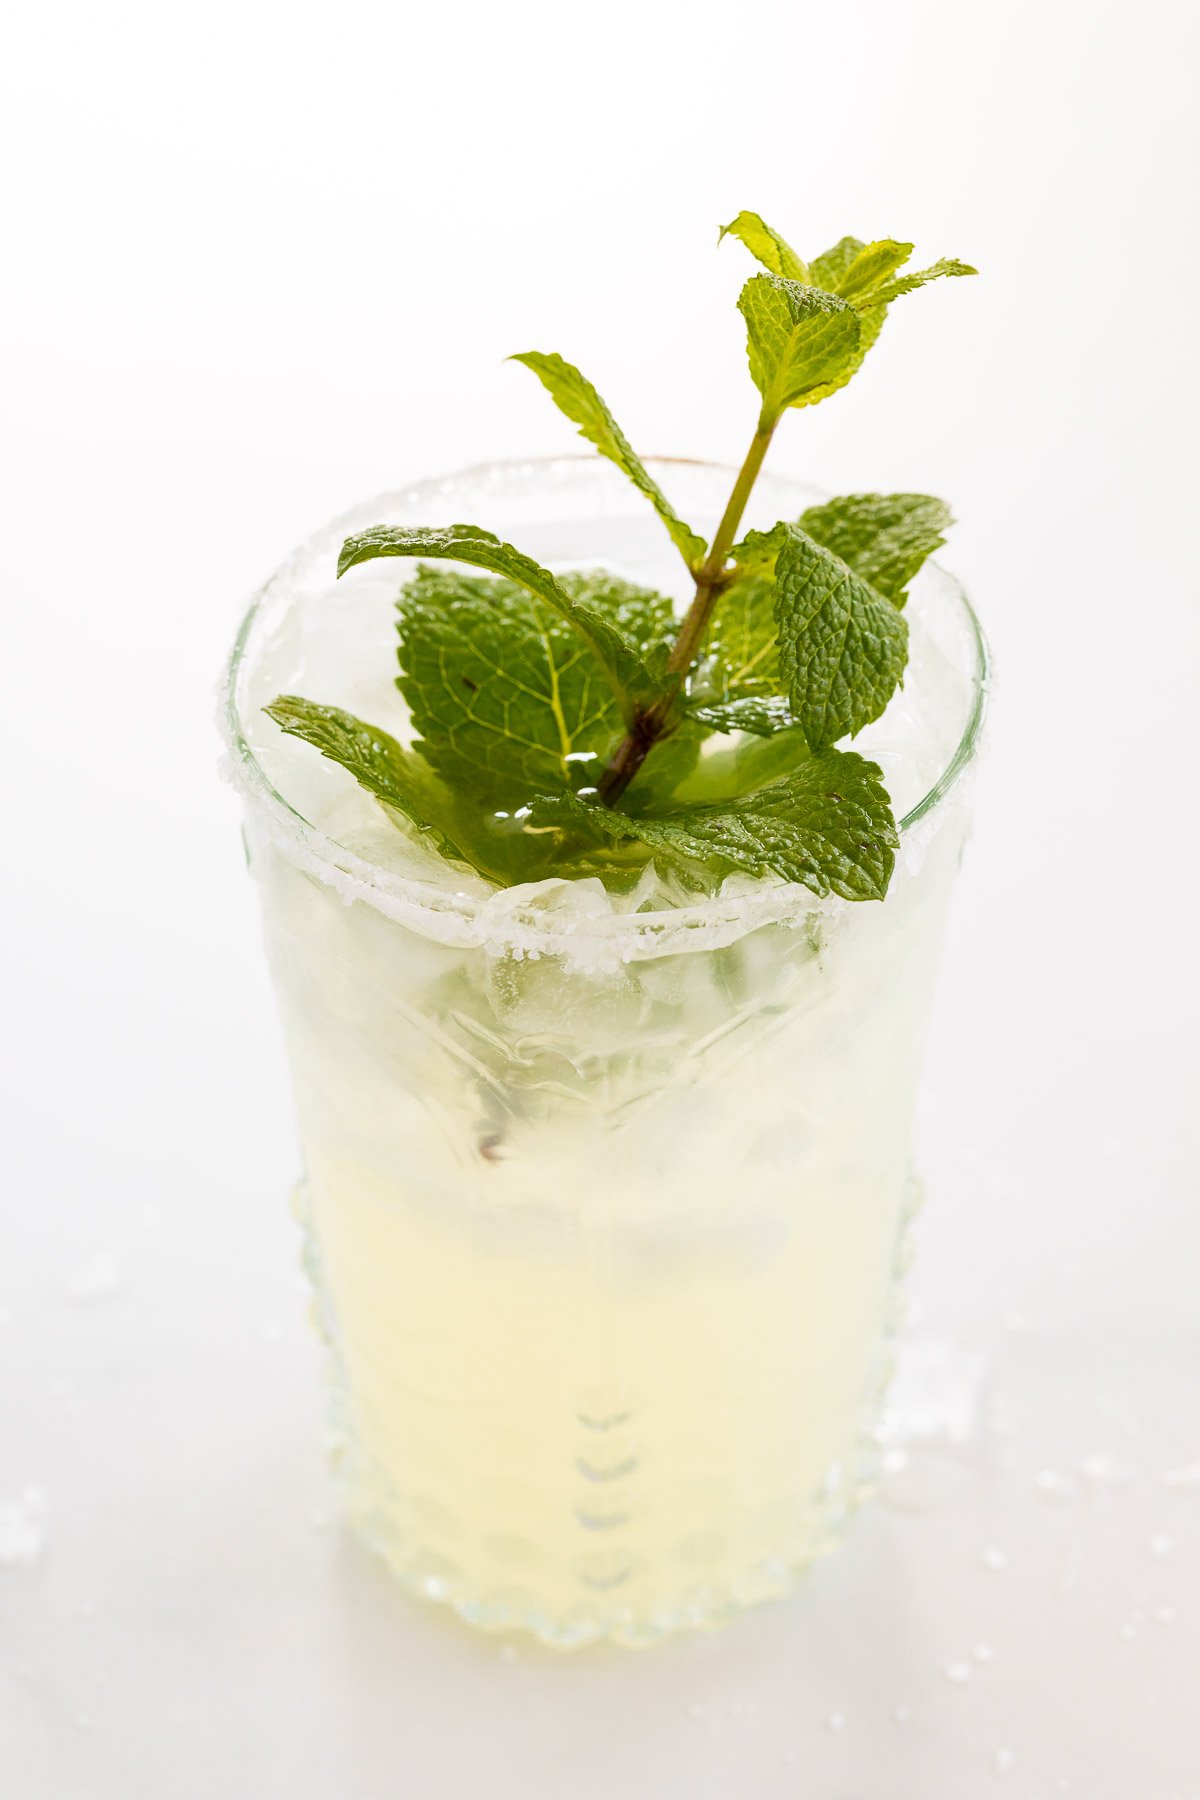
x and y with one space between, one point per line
604 1223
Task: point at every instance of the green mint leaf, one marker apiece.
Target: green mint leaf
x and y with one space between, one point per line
870 267
772 251
870 325
905 284
842 646
400 778
627 670
756 553
885 538
505 695
826 271
827 824
574 395
742 656
641 617
864 275
800 340
637 671
760 714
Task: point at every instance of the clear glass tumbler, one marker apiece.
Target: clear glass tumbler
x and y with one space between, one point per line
604 1208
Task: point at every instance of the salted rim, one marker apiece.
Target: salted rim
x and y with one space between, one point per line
414 902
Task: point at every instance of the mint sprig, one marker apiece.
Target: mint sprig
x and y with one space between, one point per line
856 272
568 722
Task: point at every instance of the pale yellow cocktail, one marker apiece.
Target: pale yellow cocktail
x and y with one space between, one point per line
604 1193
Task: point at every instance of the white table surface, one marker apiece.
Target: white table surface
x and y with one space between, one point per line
219 345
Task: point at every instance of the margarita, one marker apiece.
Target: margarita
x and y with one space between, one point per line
604 1191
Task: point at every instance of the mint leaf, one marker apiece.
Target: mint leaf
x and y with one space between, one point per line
800 340
756 553
574 395
827 824
461 543
885 538
772 251
398 777
742 640
870 324
640 617
864 275
842 646
505 695
760 714
826 271
621 659
905 284
871 266
636 670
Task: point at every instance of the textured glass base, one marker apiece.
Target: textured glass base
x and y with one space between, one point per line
508 1612
454 1532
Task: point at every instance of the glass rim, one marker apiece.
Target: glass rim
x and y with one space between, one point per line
384 888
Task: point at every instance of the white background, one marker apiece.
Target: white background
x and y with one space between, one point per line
264 261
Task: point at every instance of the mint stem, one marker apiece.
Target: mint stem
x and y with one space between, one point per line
650 724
